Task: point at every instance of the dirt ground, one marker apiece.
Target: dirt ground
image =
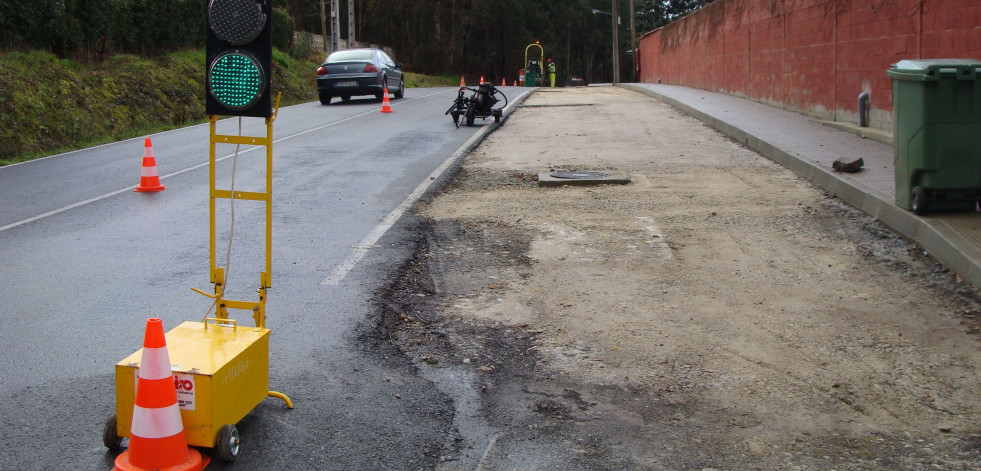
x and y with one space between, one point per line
718 312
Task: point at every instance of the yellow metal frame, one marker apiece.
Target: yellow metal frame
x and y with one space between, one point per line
540 60
222 305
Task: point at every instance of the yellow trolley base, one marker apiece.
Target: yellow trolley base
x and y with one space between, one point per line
221 372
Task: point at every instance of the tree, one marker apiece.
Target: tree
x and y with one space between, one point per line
653 14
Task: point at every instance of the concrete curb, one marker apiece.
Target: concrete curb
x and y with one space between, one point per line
934 234
456 159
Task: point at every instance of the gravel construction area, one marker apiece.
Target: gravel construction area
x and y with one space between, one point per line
717 312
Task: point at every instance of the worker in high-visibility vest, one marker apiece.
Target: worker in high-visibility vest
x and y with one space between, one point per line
551 72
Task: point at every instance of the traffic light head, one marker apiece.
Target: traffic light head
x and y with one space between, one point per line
239 58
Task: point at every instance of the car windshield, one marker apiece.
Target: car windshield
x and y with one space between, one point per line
346 56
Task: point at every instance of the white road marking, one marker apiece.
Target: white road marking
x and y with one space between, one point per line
372 238
162 177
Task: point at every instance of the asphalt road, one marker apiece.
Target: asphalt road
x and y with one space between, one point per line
85 261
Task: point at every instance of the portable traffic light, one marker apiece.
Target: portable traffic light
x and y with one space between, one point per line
239 58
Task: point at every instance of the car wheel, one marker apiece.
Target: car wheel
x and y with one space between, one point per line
325 99
345 98
401 92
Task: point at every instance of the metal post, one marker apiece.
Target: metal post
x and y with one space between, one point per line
323 26
335 26
350 23
633 44
616 49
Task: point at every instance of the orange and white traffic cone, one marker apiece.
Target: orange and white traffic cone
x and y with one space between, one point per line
504 82
149 180
462 83
481 80
386 105
156 439
516 82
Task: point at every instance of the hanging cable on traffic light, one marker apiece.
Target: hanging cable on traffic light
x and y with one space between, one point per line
239 58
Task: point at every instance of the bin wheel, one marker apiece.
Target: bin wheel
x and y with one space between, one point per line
228 442
110 435
919 201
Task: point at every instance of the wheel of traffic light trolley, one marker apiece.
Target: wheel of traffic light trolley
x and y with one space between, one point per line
401 91
228 442
919 200
110 435
325 99
470 116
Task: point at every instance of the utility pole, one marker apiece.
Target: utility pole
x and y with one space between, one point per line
323 26
335 26
616 43
633 44
350 23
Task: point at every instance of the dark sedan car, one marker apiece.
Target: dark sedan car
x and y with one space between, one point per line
357 72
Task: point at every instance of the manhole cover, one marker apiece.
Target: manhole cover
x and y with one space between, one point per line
579 175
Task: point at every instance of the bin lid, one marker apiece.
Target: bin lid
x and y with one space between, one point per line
929 69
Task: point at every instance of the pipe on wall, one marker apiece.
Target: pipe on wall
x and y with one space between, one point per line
863 109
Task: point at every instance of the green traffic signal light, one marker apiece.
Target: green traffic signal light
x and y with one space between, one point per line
236 80
239 58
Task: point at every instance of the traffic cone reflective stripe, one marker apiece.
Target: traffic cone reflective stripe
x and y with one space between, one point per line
149 180
157 422
386 105
159 368
157 439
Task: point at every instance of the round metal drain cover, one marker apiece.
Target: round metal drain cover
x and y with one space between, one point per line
579 175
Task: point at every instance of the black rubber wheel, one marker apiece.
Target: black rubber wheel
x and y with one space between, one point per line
401 91
110 435
919 200
470 116
325 99
345 98
228 443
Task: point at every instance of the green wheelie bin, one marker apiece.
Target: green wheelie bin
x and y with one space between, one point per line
530 77
937 134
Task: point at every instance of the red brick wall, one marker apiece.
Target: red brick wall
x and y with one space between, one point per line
811 56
